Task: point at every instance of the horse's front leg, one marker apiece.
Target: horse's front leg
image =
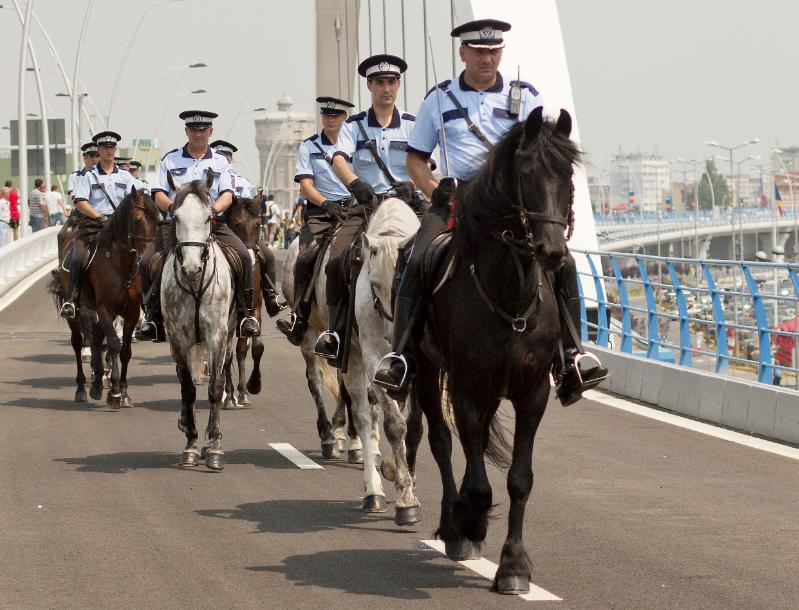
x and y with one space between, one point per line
242 347
254 382
314 375
188 395
76 339
114 397
220 350
130 321
98 369
513 575
229 401
344 407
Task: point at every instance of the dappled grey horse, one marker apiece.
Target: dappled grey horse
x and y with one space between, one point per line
197 300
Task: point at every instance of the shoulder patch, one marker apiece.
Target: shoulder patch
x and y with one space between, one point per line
312 138
356 117
407 116
84 171
526 85
169 153
443 85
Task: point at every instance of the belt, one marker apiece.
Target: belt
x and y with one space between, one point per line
384 196
343 202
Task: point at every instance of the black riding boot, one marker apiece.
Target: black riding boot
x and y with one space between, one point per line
153 327
69 310
328 345
396 368
273 306
249 327
296 324
582 370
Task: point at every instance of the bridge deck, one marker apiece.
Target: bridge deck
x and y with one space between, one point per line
627 512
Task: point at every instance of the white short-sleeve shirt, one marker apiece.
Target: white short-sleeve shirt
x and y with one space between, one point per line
184 168
94 183
312 162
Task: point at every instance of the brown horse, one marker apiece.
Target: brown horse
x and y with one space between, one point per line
244 219
111 288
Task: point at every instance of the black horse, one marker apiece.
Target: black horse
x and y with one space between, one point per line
493 331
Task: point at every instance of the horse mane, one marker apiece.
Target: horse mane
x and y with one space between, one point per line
392 218
195 187
488 197
118 223
247 204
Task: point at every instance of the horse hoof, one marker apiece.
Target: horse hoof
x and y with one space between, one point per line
115 402
355 456
512 585
341 444
461 550
230 404
190 459
95 392
215 461
388 468
243 399
80 395
126 402
254 386
330 451
374 504
407 515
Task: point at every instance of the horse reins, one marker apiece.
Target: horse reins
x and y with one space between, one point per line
197 295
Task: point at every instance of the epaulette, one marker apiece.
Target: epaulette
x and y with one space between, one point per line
407 116
169 153
356 117
438 86
525 85
312 138
82 172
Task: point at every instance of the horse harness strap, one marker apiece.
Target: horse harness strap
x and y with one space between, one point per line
469 122
370 146
379 304
197 295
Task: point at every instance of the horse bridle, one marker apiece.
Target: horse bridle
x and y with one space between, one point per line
197 295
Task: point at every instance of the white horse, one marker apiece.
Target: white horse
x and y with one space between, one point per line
197 301
391 226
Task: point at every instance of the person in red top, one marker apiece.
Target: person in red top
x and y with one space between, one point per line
13 200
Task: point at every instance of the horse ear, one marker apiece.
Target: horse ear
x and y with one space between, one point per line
370 244
533 123
209 179
564 124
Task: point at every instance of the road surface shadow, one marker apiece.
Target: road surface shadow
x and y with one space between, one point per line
54 404
51 383
123 462
304 516
48 358
394 573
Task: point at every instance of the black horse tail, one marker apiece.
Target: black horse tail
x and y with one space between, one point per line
56 289
498 449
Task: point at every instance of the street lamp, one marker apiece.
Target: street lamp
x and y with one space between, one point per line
789 176
81 98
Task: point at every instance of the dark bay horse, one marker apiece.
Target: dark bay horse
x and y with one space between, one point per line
493 331
244 219
113 288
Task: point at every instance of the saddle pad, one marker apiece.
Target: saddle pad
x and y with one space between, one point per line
233 260
67 263
439 262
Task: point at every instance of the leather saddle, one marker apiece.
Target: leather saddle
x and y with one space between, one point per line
438 265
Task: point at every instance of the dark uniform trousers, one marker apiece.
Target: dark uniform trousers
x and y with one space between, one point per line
69 226
318 227
165 240
336 283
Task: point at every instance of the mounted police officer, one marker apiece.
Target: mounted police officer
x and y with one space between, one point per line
191 162
242 188
98 192
327 200
477 108
135 169
90 157
374 142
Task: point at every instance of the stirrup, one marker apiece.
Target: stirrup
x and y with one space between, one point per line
68 311
587 385
256 332
389 359
332 334
288 323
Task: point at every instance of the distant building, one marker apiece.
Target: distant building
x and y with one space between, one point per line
599 192
638 179
277 137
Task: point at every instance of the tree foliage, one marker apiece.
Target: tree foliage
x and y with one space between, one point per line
720 189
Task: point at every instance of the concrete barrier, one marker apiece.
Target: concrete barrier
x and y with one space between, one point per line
25 258
769 411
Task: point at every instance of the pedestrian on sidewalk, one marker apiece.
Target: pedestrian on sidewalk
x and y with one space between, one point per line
5 216
37 206
55 204
13 200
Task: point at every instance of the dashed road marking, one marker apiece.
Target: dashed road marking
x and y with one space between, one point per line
296 457
487 569
696 426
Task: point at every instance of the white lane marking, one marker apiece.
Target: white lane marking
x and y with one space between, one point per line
293 455
487 569
696 426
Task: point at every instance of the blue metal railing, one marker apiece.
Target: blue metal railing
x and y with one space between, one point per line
738 318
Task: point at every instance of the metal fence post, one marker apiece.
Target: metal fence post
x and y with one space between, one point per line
682 306
624 302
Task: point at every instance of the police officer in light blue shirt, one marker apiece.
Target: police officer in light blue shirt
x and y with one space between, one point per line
98 192
477 109
327 199
241 186
374 142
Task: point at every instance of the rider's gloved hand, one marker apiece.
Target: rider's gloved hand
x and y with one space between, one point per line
102 219
404 191
362 192
443 193
333 208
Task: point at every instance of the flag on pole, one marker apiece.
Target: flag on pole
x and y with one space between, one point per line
778 199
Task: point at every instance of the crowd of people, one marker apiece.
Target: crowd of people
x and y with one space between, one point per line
46 209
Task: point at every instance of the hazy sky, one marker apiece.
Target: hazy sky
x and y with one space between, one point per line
646 75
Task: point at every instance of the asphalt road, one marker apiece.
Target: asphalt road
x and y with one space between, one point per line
626 512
